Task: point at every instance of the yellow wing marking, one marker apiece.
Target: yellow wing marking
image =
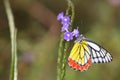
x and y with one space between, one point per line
78 52
81 51
81 54
74 49
84 44
75 54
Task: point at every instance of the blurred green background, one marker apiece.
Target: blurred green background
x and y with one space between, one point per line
38 37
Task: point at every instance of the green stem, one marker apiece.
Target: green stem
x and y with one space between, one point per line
59 61
64 61
68 8
13 35
71 5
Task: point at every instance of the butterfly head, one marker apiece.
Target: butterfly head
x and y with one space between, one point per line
80 38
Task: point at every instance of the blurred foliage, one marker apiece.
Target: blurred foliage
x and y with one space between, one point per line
38 37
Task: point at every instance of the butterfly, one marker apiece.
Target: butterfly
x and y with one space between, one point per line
85 52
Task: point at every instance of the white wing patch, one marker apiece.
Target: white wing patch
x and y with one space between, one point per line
99 54
93 45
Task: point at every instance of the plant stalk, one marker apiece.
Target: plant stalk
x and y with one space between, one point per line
13 35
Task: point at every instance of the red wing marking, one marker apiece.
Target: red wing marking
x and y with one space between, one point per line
74 65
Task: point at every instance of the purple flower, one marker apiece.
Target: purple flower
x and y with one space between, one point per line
68 36
66 20
60 16
76 33
65 27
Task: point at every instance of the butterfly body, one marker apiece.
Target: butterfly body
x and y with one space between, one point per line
86 52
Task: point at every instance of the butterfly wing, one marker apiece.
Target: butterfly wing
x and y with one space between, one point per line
99 54
80 56
85 52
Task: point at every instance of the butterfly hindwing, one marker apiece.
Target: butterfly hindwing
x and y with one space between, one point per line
99 54
80 57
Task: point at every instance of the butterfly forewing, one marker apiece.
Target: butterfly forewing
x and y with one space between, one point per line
99 54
